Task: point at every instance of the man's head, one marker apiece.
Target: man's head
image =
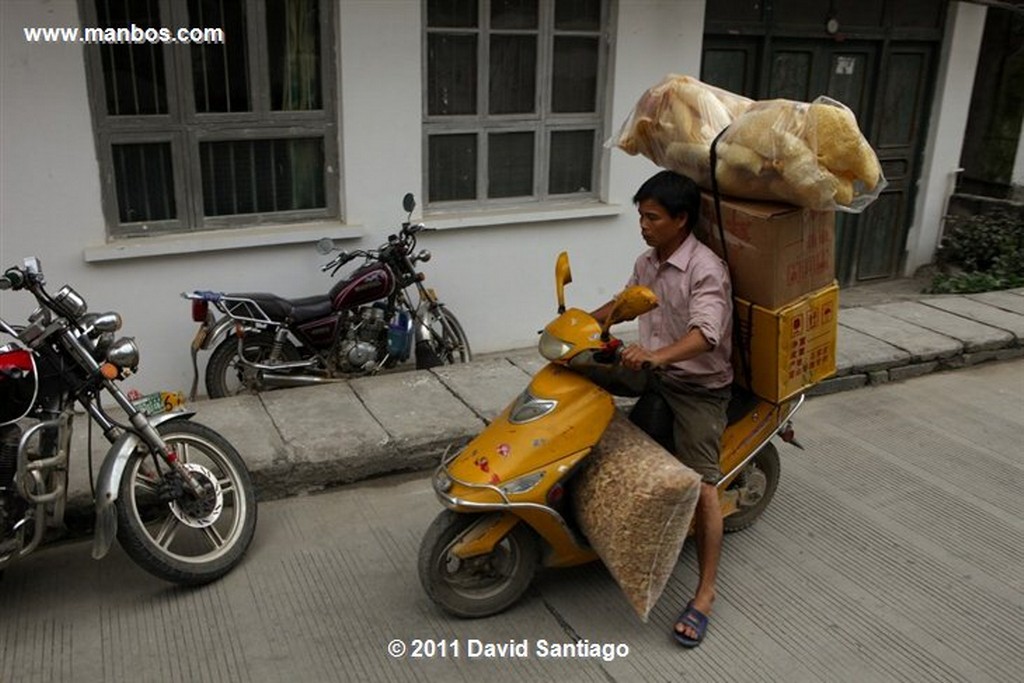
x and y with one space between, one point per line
669 207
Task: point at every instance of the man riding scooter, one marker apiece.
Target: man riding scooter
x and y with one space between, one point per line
686 340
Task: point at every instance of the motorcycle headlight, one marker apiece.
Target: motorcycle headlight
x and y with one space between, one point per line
124 353
551 347
528 408
522 484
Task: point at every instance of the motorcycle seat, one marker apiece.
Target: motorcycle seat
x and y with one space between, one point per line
300 310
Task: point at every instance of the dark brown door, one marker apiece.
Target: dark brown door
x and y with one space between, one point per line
884 80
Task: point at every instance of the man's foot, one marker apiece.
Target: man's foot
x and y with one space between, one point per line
691 626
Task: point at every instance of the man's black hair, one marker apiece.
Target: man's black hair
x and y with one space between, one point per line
677 193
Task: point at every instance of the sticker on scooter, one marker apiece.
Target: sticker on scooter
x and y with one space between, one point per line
504 450
482 463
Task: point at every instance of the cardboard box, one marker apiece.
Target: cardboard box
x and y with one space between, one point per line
777 252
791 348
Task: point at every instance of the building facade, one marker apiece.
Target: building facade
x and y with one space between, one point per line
136 172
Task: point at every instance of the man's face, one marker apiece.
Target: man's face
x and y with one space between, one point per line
659 230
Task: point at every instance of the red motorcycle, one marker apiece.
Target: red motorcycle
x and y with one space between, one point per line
368 322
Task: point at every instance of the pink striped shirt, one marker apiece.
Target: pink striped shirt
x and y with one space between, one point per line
693 291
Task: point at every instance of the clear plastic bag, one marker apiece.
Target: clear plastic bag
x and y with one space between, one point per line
812 155
674 122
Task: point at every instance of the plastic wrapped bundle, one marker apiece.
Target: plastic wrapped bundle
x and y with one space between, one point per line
634 502
812 155
675 121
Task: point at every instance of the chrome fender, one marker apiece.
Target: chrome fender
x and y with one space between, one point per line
108 482
217 330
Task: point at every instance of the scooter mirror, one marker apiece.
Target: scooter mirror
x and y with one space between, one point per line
408 202
630 303
563 276
325 245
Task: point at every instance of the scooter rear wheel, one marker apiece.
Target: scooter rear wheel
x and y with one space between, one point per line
757 482
476 586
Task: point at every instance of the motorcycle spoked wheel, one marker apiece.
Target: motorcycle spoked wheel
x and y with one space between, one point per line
448 343
188 541
757 483
225 376
477 586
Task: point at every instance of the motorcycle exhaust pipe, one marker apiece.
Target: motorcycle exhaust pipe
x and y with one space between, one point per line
275 381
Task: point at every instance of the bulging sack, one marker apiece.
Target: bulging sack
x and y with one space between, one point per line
634 502
811 155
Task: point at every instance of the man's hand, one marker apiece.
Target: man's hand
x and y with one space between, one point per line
635 357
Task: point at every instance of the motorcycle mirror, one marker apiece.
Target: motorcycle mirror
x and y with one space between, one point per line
325 245
409 202
563 276
630 303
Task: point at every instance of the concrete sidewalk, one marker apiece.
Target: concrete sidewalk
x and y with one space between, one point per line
301 440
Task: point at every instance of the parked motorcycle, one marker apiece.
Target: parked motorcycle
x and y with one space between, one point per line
175 493
368 322
507 514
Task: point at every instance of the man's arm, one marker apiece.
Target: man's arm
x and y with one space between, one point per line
692 344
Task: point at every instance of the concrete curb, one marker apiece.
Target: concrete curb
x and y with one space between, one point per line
301 440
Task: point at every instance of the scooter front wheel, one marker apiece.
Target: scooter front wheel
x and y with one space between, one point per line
476 586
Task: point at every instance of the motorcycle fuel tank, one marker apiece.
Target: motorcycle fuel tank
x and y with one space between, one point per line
367 284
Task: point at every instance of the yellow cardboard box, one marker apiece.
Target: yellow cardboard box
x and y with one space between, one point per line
788 349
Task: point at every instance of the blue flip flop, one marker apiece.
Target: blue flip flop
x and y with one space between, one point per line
696 620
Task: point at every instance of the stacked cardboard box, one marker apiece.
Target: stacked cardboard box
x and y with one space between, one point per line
782 262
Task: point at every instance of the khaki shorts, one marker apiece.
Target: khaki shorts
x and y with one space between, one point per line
699 413
700 420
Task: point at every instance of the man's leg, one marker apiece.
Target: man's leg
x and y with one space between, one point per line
709 549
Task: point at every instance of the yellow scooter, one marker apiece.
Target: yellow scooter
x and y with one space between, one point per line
505 491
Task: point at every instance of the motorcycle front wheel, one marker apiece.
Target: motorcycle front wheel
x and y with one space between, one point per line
756 486
447 344
227 376
476 586
171 533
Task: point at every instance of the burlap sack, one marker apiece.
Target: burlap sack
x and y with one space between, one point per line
634 502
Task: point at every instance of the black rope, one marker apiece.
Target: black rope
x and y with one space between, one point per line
742 341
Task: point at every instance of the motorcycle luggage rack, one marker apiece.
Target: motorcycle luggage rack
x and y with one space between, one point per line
244 309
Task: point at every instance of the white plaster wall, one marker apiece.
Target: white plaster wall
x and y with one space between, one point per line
497 278
950 108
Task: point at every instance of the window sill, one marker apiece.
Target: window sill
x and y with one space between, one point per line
454 220
220 240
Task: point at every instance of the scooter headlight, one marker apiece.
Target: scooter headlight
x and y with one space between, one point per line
528 408
522 484
442 482
553 348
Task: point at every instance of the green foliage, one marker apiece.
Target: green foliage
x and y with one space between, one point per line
981 253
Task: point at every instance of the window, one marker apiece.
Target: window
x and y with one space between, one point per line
514 101
215 134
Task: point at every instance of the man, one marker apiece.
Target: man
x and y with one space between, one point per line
688 341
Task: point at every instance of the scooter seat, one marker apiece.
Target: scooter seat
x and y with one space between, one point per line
280 309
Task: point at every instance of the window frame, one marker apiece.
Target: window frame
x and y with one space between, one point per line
542 122
186 129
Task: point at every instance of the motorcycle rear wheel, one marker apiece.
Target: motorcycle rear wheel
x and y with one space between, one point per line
225 376
759 478
477 586
187 541
448 343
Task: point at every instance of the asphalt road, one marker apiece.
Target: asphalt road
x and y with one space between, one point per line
893 551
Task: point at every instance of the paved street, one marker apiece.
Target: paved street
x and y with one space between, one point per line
892 551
